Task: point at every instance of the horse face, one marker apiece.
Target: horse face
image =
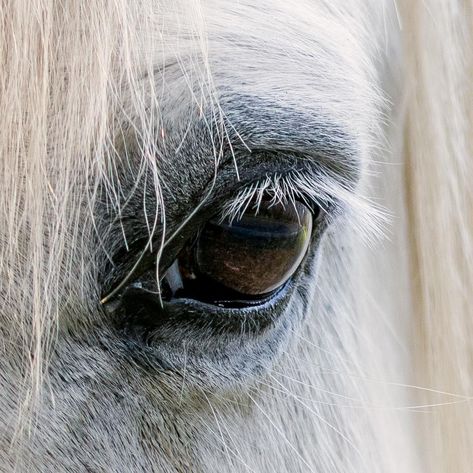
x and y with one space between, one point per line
204 266
285 132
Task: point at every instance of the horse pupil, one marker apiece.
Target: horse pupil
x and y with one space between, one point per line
257 253
241 263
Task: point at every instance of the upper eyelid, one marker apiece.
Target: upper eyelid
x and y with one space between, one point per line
280 188
317 186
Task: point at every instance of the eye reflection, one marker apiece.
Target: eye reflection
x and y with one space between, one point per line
240 262
258 253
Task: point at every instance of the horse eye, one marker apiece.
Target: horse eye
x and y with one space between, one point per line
258 253
247 258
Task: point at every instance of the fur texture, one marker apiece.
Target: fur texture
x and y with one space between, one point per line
125 124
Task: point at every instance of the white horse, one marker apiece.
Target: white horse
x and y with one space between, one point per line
236 236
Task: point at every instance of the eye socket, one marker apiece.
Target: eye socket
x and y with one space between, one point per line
243 262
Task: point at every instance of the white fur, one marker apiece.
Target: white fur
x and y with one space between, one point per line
386 346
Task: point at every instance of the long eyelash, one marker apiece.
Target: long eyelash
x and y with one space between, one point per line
313 189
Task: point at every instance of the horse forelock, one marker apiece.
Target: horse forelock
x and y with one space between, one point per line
86 88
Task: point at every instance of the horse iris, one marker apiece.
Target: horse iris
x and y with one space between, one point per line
257 253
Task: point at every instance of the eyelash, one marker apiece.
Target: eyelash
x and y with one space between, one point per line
280 189
319 191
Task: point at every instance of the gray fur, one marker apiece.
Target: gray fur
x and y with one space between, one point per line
293 90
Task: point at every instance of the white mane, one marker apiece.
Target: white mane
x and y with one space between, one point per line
379 379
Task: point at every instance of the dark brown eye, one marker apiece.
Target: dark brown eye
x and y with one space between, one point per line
241 262
258 253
